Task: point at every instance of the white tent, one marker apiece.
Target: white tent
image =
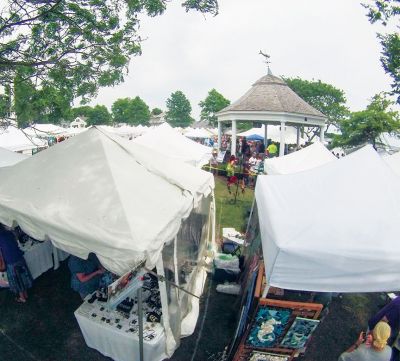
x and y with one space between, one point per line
167 140
92 194
309 157
8 158
44 130
198 133
100 193
334 228
16 140
394 162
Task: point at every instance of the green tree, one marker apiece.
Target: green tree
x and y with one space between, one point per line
140 112
121 111
132 111
212 105
178 110
324 97
366 126
99 116
156 111
385 12
79 44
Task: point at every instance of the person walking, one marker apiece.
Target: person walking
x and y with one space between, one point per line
18 274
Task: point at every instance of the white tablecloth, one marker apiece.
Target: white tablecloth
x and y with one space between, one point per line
116 343
38 257
58 256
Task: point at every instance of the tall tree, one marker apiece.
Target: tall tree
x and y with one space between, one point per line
78 44
178 110
387 12
366 126
156 111
140 112
132 111
121 111
213 103
99 115
82 111
324 97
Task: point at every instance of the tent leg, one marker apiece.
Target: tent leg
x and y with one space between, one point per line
140 316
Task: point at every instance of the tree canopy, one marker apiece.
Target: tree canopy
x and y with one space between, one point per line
131 111
178 110
385 12
80 45
99 115
213 103
366 126
324 97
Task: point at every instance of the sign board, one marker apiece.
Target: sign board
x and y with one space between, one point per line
125 286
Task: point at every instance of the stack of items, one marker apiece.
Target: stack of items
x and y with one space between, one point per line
227 264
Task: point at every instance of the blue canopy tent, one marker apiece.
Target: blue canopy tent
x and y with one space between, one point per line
255 137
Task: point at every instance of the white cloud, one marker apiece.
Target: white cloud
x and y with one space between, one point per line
313 39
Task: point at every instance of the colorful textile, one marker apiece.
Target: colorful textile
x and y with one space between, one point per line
19 276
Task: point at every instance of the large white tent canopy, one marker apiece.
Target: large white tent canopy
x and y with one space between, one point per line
167 140
334 228
394 162
16 140
100 193
309 157
9 158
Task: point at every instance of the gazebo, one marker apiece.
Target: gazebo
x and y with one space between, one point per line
271 101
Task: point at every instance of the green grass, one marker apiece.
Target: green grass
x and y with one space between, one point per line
228 212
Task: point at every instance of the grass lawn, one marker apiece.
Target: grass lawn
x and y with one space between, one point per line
228 212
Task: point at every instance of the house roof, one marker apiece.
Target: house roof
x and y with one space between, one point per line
271 94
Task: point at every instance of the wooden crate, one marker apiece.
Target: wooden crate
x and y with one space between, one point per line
299 309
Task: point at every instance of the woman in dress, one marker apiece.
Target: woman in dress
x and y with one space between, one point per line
19 276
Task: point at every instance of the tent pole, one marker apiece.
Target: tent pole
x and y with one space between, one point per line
250 215
265 292
140 315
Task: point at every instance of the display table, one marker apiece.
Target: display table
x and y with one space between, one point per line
117 337
38 256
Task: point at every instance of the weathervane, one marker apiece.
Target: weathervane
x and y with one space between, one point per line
266 56
266 61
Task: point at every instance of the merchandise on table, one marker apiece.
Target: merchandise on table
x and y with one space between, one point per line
268 327
125 317
299 333
262 356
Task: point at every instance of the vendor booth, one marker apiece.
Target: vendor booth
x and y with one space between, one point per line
333 228
136 210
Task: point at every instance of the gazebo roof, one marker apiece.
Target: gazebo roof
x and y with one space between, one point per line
271 94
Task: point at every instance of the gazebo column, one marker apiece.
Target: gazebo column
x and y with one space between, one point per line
266 135
282 143
219 135
233 140
298 137
322 133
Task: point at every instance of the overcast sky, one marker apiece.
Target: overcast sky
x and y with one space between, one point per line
331 41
